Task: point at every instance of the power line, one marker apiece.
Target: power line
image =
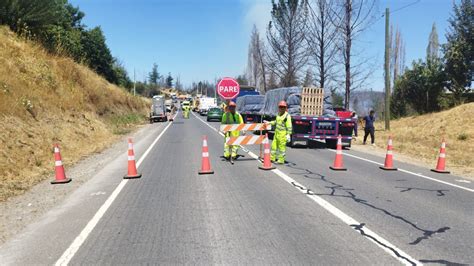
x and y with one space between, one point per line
401 8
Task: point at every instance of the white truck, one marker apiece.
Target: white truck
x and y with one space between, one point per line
205 103
158 110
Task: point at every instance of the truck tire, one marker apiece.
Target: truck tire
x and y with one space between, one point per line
331 143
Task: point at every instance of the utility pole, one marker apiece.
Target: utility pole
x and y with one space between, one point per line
134 83
387 70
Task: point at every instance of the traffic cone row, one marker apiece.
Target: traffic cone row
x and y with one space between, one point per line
59 168
338 164
267 163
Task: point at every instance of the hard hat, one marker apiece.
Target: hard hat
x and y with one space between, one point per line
282 104
232 104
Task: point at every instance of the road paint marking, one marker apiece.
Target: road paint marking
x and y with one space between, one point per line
391 249
463 181
411 173
81 238
98 193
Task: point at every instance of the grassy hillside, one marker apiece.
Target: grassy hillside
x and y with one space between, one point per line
420 137
46 99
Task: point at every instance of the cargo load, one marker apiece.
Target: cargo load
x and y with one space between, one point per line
292 96
249 106
312 114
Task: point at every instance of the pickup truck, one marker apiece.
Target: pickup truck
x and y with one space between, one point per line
326 127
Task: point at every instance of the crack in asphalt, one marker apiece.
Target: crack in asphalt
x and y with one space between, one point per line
334 188
360 229
439 191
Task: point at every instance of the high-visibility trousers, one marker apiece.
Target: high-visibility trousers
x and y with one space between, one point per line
231 150
278 151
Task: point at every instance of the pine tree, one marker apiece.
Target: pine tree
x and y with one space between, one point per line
432 50
169 81
154 76
459 50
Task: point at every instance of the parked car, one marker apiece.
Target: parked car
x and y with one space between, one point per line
214 113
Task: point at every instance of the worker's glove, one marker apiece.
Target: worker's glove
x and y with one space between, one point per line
288 138
265 122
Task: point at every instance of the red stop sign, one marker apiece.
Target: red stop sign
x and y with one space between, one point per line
228 88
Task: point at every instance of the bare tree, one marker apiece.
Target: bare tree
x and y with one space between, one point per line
321 39
351 18
397 61
286 36
256 65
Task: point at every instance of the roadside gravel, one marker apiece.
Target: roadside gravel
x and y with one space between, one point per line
17 212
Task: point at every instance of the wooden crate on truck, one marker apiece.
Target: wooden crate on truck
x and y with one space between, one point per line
312 101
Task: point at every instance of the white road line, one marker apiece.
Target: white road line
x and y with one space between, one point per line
81 238
391 249
411 173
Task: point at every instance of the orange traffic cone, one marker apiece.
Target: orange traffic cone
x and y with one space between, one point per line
267 163
132 167
440 167
338 163
205 163
59 168
388 165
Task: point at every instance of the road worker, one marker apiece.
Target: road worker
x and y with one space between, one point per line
283 129
186 111
231 117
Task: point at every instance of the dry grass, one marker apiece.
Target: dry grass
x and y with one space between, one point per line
46 99
420 137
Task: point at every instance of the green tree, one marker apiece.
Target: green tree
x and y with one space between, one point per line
459 49
154 76
398 103
432 51
419 88
30 18
64 42
337 99
97 54
122 78
169 80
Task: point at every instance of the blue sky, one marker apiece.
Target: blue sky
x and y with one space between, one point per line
206 39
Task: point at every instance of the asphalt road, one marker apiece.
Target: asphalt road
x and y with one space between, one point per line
302 213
